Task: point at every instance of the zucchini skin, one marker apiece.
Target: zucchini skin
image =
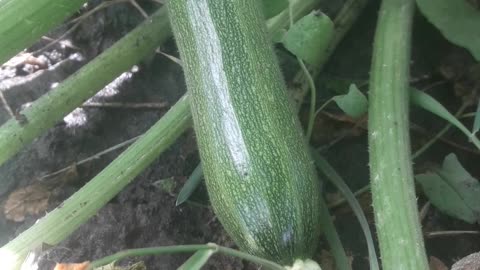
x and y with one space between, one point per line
259 174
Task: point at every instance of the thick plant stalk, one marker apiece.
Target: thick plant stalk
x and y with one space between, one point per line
51 107
22 22
394 201
82 205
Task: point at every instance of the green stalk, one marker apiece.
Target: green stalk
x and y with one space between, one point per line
394 201
184 249
22 22
82 205
51 107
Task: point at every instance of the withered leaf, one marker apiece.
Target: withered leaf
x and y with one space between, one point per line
30 200
72 266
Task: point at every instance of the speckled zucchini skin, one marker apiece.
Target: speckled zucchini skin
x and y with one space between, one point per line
259 174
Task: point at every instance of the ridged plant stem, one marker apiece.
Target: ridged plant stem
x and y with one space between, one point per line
394 201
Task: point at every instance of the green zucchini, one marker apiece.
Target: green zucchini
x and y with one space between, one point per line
259 174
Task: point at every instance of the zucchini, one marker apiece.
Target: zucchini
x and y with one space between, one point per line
259 174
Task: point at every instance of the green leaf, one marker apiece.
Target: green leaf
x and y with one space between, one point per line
453 190
273 7
197 260
426 102
309 37
354 104
190 185
457 20
476 122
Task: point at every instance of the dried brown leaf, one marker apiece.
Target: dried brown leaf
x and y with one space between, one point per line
72 266
30 200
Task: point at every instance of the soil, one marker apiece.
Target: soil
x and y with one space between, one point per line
143 214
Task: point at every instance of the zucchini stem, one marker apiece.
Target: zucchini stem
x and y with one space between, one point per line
393 192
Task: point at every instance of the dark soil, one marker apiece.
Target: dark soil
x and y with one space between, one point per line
144 215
